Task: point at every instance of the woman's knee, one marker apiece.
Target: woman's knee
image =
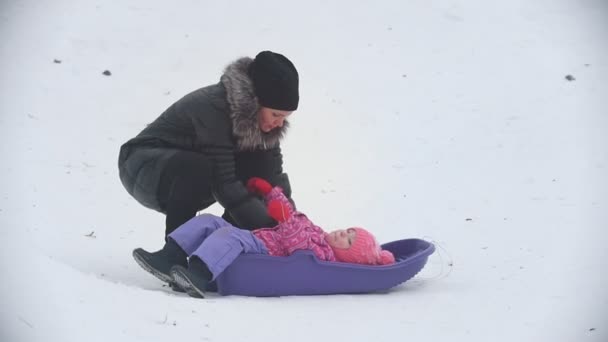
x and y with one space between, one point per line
185 185
191 166
187 175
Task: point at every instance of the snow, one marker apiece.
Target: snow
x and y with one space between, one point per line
449 120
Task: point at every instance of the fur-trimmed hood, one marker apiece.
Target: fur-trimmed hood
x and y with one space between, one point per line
244 107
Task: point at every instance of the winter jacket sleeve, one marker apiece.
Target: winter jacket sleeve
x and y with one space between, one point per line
277 194
266 164
246 210
298 232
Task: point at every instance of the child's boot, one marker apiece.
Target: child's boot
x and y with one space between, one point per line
195 279
160 262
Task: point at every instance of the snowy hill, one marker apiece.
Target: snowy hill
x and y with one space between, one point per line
478 125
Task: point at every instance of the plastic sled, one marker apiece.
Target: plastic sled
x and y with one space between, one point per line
303 274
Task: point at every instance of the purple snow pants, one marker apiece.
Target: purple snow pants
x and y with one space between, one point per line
215 241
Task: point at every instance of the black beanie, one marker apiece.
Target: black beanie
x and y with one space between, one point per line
275 80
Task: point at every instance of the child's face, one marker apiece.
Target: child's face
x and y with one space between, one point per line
342 238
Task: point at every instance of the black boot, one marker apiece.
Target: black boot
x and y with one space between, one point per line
195 279
160 262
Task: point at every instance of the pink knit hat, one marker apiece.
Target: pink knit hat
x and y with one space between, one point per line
365 250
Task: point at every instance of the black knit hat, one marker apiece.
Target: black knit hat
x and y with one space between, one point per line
275 80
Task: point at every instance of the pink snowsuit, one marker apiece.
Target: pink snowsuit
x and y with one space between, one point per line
296 233
217 243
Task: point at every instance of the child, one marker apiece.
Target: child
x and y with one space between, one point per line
212 244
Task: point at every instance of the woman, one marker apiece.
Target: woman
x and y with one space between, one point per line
206 145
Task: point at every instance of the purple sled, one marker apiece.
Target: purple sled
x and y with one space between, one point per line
303 274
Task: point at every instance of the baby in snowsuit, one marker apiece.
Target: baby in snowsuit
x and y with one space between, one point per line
212 244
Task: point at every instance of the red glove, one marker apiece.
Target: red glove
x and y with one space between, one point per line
258 186
278 211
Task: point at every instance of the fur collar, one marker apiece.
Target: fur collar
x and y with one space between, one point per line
244 108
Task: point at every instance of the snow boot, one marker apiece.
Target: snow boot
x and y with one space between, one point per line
194 279
159 263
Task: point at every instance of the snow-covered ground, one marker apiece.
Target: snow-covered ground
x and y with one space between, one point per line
447 120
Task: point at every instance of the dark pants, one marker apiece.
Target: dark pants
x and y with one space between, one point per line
185 188
186 182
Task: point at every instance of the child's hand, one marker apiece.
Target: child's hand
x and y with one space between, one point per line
258 186
278 211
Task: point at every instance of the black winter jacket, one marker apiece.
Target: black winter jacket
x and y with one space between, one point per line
220 122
